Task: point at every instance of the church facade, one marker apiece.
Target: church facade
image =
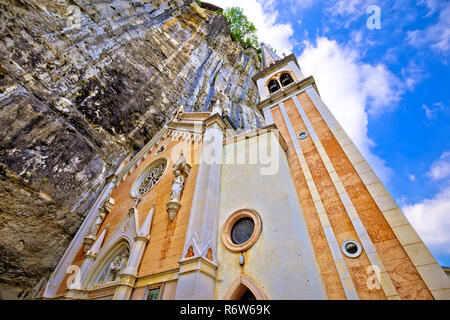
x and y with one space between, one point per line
290 210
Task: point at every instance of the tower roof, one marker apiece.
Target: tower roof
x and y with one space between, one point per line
268 56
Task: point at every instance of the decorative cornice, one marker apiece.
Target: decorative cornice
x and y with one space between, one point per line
247 135
286 91
146 149
190 121
76 294
101 287
127 280
142 238
159 277
216 118
274 66
198 264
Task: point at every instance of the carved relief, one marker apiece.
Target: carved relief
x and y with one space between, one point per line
114 268
179 168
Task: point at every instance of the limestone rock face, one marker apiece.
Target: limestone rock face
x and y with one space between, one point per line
82 85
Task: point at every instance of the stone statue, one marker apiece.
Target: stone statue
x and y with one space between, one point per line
177 187
178 114
180 167
114 269
108 273
117 265
123 261
98 222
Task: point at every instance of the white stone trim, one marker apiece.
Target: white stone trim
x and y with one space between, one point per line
417 252
266 110
76 244
344 275
367 244
202 229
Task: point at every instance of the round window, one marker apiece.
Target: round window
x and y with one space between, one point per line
241 230
351 248
149 178
302 135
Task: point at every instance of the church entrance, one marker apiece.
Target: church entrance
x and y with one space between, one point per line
248 295
244 288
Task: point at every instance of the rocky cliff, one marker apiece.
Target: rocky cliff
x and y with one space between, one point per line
82 85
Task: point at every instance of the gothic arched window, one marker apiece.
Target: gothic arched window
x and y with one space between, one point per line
286 79
273 86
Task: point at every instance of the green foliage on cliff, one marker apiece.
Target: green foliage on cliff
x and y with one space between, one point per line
241 29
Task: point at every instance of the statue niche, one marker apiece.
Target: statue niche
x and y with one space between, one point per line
180 168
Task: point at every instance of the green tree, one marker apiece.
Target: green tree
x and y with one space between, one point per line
241 29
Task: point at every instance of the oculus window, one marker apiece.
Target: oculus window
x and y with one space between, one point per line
241 230
351 248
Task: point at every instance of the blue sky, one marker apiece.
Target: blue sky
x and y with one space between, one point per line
388 87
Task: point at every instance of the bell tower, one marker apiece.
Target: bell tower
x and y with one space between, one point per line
277 74
364 246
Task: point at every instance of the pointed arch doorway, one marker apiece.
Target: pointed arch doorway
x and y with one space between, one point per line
244 288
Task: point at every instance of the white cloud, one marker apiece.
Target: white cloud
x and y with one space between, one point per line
432 5
412 177
347 7
352 90
347 11
295 5
436 35
412 74
434 110
264 16
428 112
440 169
430 218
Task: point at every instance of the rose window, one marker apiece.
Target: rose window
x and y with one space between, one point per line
149 178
